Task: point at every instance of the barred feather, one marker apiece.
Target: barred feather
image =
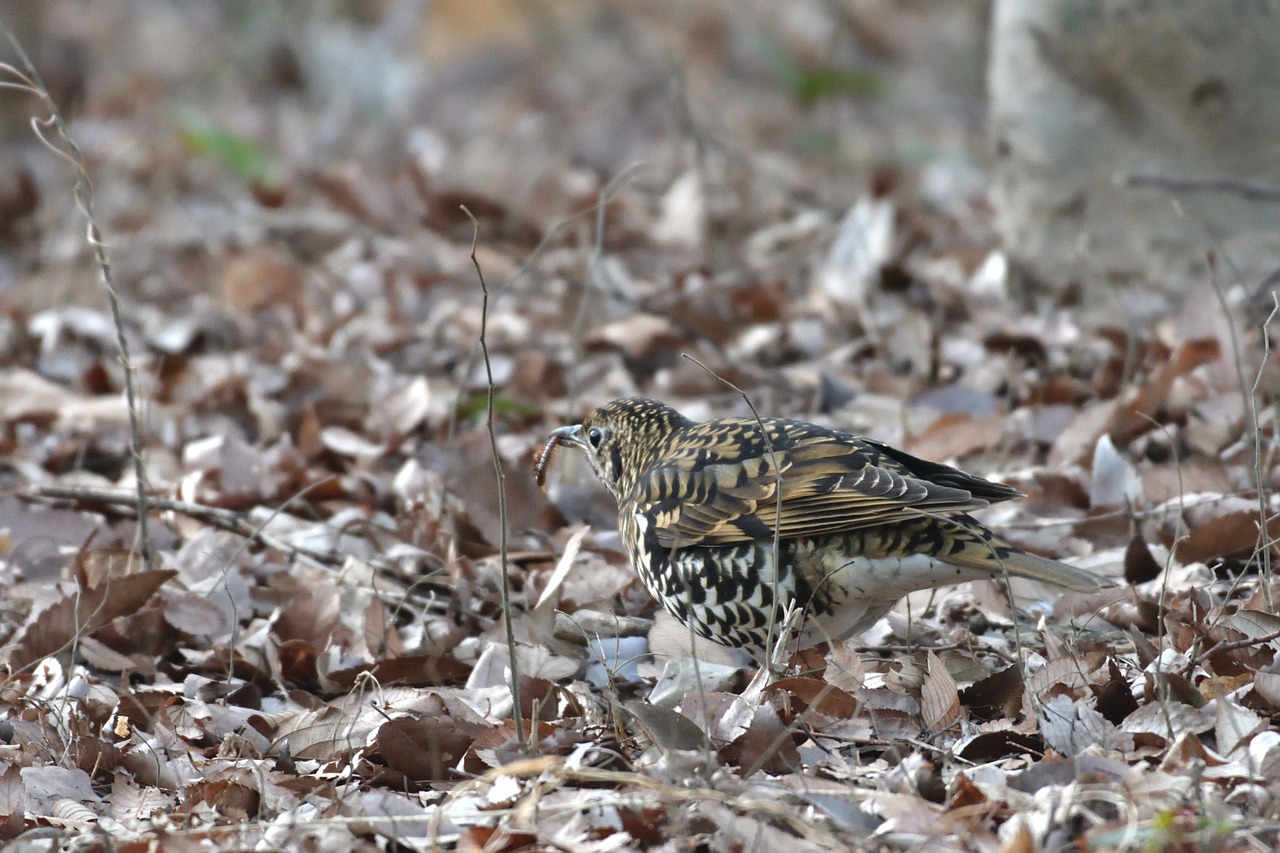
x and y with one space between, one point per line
859 523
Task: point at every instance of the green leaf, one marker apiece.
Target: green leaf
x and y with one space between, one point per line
828 81
475 406
809 84
204 138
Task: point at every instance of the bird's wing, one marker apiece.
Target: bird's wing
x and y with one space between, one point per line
718 485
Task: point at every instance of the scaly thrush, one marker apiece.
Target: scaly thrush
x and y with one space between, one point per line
859 523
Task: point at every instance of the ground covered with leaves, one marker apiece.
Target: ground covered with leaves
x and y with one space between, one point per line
310 647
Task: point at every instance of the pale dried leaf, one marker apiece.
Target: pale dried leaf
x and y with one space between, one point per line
1113 480
13 796
25 395
46 786
682 220
1235 725
863 244
192 614
844 667
73 814
939 698
668 728
403 410
1168 720
1071 727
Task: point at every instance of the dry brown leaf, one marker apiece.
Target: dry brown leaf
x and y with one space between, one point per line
1125 420
298 661
638 336
1254 623
844 667
262 279
1214 423
999 694
404 409
93 566
1267 685
767 744
1020 840
956 435
427 748
821 696
1167 719
1077 440
1115 699
964 794
1234 534
73 815
12 801
233 794
193 614
100 656
324 733
1139 565
893 725
1195 476
1063 673
312 613
668 729
410 671
991 746
82 612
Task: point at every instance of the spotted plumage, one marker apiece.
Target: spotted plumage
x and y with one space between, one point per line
858 523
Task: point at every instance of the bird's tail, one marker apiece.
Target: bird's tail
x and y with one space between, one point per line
1023 565
985 551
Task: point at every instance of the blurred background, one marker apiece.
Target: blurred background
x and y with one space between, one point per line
1038 239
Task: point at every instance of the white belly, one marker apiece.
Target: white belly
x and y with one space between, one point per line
858 591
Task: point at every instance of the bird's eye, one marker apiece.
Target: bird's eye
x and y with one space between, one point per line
595 435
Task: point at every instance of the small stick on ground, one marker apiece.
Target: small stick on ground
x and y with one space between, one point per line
1251 190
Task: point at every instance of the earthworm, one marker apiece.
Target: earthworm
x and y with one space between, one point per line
544 460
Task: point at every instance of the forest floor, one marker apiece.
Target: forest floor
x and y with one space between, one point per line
310 647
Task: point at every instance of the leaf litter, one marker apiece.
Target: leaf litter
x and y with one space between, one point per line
319 654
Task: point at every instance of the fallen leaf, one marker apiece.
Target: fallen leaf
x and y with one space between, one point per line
53 629
939 699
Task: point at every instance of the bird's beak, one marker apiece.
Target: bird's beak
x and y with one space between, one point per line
569 435
563 435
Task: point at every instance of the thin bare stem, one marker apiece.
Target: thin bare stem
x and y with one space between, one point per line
1223 646
220 518
526 267
1251 190
1264 555
84 196
1249 393
516 713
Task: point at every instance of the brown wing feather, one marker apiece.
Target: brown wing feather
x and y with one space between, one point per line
711 493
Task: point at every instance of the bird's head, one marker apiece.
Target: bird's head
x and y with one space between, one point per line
620 439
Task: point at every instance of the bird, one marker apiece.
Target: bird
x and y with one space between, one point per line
858 523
